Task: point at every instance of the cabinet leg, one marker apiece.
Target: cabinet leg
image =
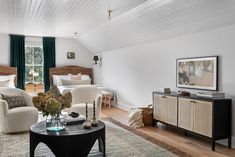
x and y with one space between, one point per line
229 142
185 133
154 123
213 145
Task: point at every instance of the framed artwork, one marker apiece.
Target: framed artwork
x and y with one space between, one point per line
197 73
70 55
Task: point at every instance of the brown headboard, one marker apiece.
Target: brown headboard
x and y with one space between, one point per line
64 70
7 70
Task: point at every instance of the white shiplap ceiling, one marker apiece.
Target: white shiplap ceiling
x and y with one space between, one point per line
60 18
133 21
160 19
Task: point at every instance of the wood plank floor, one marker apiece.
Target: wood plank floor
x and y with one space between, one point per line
193 145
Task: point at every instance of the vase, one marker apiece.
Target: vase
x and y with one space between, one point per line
54 123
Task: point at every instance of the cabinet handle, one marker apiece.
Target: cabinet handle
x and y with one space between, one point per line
163 96
193 101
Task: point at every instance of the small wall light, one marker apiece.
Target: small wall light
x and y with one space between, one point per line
75 35
96 59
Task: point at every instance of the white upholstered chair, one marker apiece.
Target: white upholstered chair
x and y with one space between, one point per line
83 94
17 119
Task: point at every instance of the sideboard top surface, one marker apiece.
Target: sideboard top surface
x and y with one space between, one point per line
174 94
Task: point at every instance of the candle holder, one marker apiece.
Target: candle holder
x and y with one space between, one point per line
87 123
94 122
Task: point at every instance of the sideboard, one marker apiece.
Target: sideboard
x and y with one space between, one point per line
206 117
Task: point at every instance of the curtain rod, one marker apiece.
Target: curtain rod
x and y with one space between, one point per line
37 36
32 35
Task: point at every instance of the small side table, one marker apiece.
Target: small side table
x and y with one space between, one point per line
106 98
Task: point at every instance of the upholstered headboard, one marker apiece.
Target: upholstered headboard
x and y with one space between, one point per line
7 70
64 70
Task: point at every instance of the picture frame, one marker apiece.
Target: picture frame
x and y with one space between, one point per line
70 55
197 73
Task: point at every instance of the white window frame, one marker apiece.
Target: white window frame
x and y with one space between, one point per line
34 65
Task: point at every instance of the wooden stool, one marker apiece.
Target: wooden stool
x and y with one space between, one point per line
106 98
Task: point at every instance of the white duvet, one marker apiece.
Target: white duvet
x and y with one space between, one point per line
68 88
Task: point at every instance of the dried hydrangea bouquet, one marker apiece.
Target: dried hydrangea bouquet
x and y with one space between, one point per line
51 104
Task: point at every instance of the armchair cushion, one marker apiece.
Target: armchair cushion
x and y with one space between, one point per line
16 100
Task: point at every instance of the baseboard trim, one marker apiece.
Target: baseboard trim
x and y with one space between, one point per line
124 106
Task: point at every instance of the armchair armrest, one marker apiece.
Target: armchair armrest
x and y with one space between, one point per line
98 102
28 99
3 107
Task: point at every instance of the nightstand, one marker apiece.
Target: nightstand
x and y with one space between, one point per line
34 88
106 98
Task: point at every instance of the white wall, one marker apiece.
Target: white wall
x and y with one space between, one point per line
82 56
136 71
4 49
63 45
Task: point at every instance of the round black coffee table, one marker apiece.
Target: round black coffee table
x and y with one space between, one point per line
71 142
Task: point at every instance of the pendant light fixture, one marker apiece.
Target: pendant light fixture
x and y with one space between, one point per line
109 13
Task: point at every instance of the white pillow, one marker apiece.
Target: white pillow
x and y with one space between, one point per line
5 83
74 77
11 79
85 77
57 79
75 82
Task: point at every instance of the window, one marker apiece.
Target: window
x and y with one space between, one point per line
33 64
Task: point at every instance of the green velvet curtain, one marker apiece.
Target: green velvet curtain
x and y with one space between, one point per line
49 59
17 58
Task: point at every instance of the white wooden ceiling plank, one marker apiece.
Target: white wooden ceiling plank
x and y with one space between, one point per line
93 9
37 13
28 8
72 7
33 12
52 15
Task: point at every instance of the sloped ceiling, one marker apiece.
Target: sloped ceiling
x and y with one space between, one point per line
133 21
60 18
159 19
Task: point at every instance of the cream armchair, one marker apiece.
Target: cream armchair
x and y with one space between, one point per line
17 119
83 94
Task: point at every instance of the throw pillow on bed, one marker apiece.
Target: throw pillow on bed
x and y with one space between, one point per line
14 100
5 83
11 79
85 77
75 77
75 82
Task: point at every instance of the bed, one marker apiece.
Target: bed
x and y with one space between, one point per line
8 76
62 72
